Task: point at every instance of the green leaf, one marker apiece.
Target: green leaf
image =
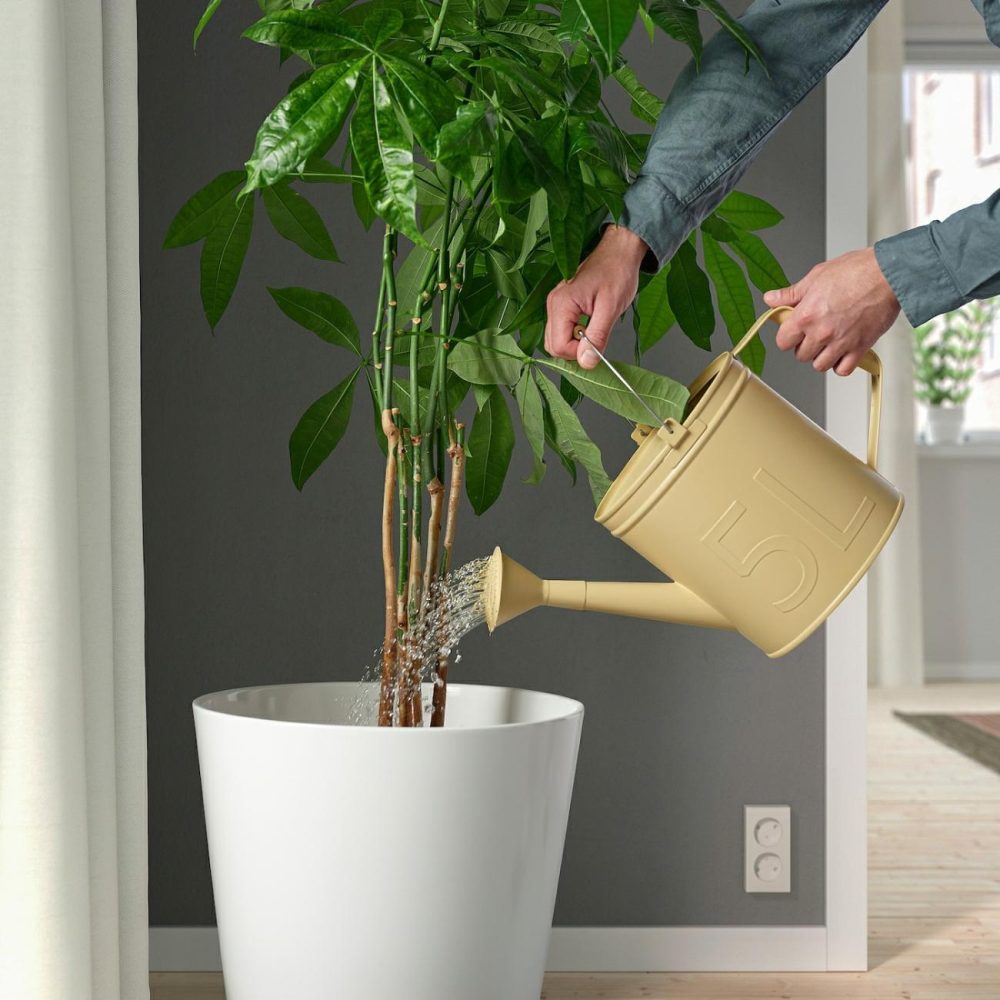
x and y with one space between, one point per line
582 87
384 155
425 101
202 210
359 197
513 176
568 391
309 33
324 315
491 444
748 211
316 170
296 219
523 78
734 28
680 22
524 35
222 256
762 266
610 22
533 307
647 22
309 118
203 21
463 138
538 210
690 297
382 25
529 405
508 281
456 391
645 104
488 358
555 168
735 299
653 307
572 439
664 395
320 429
718 227
567 226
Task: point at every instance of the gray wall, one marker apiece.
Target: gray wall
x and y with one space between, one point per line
249 582
960 549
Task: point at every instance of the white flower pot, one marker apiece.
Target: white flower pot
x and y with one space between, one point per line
943 424
357 863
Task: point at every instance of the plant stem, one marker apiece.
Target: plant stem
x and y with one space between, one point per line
389 278
438 25
389 642
377 329
457 454
414 664
402 622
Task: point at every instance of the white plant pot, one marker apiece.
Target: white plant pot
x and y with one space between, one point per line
943 424
356 863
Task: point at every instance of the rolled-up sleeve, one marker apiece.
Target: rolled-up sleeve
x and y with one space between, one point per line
941 266
718 116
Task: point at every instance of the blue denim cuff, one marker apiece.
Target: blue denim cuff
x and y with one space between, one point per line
658 218
923 284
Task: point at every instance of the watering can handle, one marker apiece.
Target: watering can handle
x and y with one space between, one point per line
870 363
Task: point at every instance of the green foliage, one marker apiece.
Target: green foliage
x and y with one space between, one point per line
491 444
947 351
482 120
320 430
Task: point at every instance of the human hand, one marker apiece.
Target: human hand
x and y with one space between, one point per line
602 288
841 307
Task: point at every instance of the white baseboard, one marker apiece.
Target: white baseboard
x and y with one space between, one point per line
687 949
586 949
963 671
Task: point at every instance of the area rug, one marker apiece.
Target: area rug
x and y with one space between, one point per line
977 736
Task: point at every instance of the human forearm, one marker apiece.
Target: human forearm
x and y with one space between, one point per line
939 267
717 117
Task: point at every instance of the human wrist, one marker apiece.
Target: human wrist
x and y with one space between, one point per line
884 286
625 244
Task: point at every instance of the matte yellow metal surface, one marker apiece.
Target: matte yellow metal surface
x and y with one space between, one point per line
764 521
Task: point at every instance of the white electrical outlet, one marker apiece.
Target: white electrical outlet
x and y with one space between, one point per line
768 848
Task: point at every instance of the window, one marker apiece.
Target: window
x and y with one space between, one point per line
987 117
953 160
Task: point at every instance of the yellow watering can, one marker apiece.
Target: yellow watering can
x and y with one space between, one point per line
763 521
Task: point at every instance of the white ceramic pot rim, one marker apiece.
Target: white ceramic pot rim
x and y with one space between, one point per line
225 703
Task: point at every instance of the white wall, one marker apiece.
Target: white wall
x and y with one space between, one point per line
960 538
945 31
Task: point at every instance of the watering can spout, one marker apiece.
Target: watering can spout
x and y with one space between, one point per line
511 589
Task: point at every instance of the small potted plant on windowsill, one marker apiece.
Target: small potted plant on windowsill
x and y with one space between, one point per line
946 355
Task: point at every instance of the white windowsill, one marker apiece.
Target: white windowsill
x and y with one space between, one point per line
970 449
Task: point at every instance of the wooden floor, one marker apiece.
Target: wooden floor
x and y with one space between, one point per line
934 853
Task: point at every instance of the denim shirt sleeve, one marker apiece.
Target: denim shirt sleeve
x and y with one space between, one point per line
939 267
716 118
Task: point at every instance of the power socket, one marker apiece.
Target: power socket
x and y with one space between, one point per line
768 848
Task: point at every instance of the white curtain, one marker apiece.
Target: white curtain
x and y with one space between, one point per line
896 656
73 912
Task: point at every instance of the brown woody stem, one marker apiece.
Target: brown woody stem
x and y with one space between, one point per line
456 453
389 645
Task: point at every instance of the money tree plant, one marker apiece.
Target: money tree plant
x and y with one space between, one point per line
477 133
